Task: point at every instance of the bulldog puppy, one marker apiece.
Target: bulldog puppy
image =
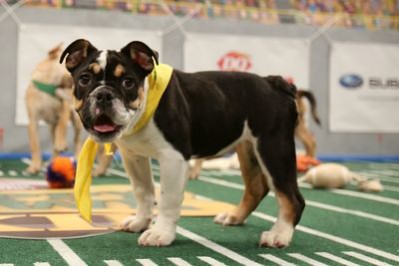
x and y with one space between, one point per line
48 98
198 115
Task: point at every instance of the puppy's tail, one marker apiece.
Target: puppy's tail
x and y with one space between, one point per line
278 82
312 100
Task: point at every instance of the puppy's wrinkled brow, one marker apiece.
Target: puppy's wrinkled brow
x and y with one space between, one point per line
119 70
95 67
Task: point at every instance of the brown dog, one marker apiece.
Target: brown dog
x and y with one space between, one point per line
48 98
302 132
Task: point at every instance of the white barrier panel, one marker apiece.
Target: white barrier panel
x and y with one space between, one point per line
364 88
35 40
287 57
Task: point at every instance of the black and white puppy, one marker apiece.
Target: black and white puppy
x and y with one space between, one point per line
200 115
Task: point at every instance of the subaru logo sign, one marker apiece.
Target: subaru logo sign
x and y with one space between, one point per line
351 81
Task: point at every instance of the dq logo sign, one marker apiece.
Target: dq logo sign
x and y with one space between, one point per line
351 81
235 61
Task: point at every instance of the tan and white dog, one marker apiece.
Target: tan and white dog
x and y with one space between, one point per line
48 98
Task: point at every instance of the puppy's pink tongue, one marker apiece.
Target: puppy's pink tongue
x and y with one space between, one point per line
104 128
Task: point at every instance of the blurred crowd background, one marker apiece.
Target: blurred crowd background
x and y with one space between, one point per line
364 14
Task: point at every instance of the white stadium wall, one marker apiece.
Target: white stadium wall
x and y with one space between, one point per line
311 67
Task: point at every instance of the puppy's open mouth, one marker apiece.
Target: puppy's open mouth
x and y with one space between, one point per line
104 125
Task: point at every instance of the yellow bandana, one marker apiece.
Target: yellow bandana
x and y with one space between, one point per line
158 80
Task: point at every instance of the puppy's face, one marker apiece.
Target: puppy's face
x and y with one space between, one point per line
108 85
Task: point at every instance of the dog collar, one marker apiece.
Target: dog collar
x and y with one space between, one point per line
47 88
158 80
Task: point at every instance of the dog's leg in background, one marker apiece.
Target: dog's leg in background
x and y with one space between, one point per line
256 186
139 170
195 171
174 175
280 163
104 160
306 137
60 141
34 144
78 126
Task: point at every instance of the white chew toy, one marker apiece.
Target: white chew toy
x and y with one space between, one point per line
332 175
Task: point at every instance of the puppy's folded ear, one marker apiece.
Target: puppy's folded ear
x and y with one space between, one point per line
141 54
76 52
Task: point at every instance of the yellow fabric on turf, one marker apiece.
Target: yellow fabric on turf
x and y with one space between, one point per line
84 177
158 80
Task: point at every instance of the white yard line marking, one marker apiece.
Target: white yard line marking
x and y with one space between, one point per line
113 263
384 172
367 259
6 264
12 173
382 178
336 259
216 247
306 259
337 239
179 262
66 252
308 202
391 188
211 261
117 172
362 214
221 182
276 260
365 196
146 262
41 264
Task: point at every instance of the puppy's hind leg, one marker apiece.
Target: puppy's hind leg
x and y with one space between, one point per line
255 186
276 154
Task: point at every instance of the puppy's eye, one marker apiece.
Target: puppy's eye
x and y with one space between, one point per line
128 83
84 80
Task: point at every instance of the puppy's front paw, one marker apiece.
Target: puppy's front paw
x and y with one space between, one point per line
227 219
156 237
276 239
135 224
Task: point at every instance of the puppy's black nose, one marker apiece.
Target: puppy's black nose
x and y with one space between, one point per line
104 97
